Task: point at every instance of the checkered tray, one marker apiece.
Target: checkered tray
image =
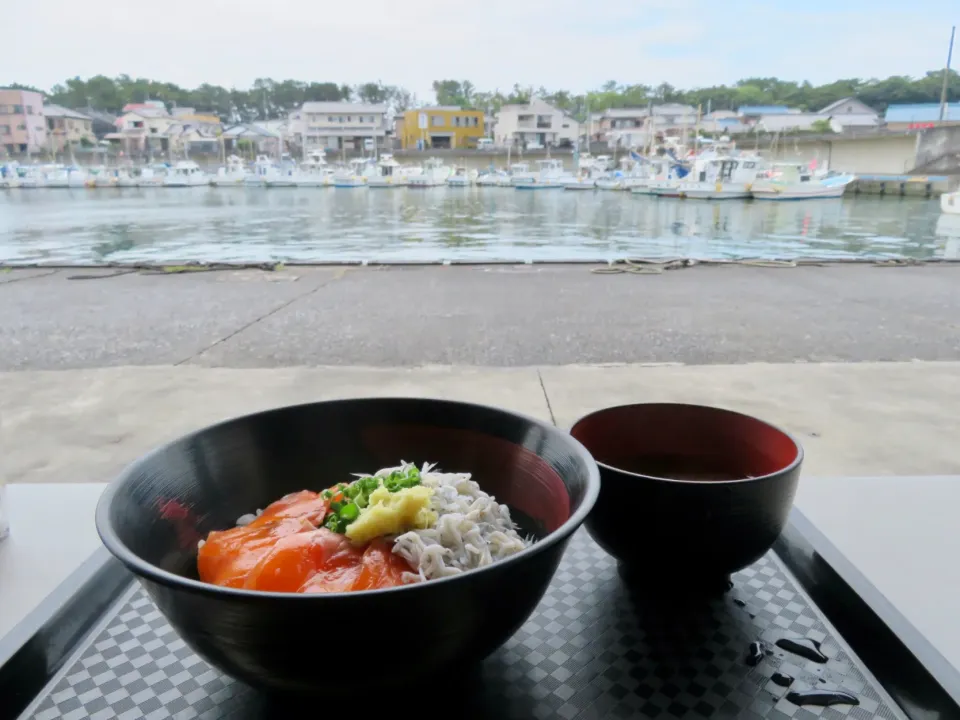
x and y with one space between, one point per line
591 650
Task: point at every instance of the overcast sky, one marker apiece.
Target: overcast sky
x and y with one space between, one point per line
572 44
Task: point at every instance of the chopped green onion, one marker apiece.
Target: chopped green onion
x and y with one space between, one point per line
349 512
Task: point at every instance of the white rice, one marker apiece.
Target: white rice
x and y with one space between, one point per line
472 530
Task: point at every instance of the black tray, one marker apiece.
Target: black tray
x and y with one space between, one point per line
596 647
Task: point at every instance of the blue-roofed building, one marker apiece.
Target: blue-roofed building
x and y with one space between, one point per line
919 115
755 112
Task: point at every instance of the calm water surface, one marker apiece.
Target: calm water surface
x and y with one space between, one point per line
474 224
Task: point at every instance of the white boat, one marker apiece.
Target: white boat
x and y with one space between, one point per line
186 173
520 173
126 178
356 174
612 181
232 174
153 176
583 182
462 177
950 203
550 176
314 171
798 182
9 178
30 177
723 178
493 177
653 170
70 176
589 169
262 167
389 174
434 174
284 175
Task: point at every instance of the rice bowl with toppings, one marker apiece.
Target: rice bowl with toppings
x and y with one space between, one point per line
397 526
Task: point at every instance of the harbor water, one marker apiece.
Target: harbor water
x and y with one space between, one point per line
475 224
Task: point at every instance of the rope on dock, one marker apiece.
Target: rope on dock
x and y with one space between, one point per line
657 267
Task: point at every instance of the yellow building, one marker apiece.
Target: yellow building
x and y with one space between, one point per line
440 127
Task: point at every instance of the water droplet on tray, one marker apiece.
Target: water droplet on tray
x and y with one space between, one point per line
782 680
804 647
821 698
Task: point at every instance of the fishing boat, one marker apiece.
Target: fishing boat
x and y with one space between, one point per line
582 182
462 177
653 170
232 174
434 173
284 175
388 174
153 175
492 178
723 178
550 176
950 203
126 178
611 181
798 182
9 178
69 176
186 173
314 171
520 172
30 177
354 175
262 167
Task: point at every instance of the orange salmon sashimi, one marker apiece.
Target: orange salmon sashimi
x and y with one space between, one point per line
282 550
228 556
304 504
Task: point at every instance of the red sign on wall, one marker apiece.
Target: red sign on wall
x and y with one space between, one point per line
922 126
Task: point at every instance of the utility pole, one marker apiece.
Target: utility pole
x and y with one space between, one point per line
946 77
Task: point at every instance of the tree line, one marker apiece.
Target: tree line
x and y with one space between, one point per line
268 98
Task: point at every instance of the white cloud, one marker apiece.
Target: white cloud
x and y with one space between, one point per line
556 43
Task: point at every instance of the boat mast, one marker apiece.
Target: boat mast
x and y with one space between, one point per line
946 77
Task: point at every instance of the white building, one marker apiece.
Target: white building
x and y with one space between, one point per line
851 113
338 125
792 121
536 123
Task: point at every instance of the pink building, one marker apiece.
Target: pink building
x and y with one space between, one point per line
23 129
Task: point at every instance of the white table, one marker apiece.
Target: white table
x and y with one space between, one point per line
902 534
51 533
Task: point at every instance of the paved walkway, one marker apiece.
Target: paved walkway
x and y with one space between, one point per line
504 316
853 419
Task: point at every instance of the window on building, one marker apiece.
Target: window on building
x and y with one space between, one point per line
349 118
340 119
4 129
29 110
21 126
18 109
436 120
330 118
476 122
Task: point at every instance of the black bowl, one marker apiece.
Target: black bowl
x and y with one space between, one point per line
152 516
689 494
